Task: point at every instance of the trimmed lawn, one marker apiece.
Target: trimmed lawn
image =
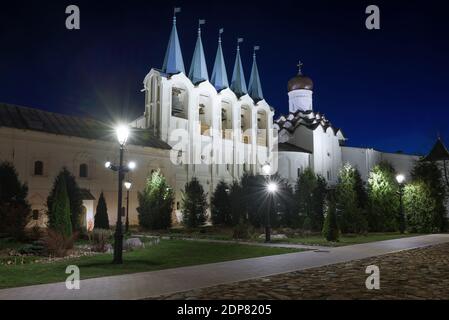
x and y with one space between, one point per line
168 254
220 233
346 240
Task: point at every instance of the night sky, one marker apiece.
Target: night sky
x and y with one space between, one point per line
386 89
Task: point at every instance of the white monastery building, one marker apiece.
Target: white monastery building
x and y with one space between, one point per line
192 125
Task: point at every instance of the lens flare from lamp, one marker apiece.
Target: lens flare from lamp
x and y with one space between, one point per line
266 169
400 178
272 187
132 165
122 132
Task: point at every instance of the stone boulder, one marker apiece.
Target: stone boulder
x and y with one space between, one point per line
274 236
133 243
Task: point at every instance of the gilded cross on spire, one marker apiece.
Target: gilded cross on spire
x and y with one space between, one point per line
300 65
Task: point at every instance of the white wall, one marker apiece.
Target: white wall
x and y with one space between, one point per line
365 159
23 148
290 162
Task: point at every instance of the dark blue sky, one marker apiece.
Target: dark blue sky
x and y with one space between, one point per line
386 89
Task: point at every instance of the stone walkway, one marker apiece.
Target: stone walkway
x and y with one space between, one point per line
414 274
163 282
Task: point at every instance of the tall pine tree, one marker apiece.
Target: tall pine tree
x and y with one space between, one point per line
59 217
74 194
431 174
156 203
383 200
14 208
331 230
101 214
194 204
220 205
351 217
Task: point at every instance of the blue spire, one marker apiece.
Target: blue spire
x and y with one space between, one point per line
173 62
238 83
198 68
255 88
219 75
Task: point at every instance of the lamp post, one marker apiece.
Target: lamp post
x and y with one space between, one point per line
128 187
271 188
400 178
122 133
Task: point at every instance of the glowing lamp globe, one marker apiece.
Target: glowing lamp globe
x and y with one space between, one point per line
272 187
400 178
122 132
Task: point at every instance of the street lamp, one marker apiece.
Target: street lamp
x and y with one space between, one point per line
400 178
128 187
266 168
272 187
122 133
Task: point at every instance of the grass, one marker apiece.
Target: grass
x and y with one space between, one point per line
168 254
346 240
224 233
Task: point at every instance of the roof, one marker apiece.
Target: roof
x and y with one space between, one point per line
219 75
438 153
24 118
238 82
308 119
198 68
173 62
255 87
86 195
288 147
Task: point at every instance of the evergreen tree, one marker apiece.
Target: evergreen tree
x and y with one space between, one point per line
383 200
420 208
11 189
305 187
74 194
254 194
194 204
430 174
319 200
15 210
284 211
351 215
101 219
330 228
156 203
310 194
221 206
59 218
237 204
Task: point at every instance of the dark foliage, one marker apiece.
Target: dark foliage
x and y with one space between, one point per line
74 194
194 204
101 214
156 203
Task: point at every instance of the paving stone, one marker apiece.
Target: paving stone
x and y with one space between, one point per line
414 274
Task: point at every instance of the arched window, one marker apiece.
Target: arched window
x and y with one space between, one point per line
84 171
226 120
245 124
262 120
180 105
38 168
205 115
